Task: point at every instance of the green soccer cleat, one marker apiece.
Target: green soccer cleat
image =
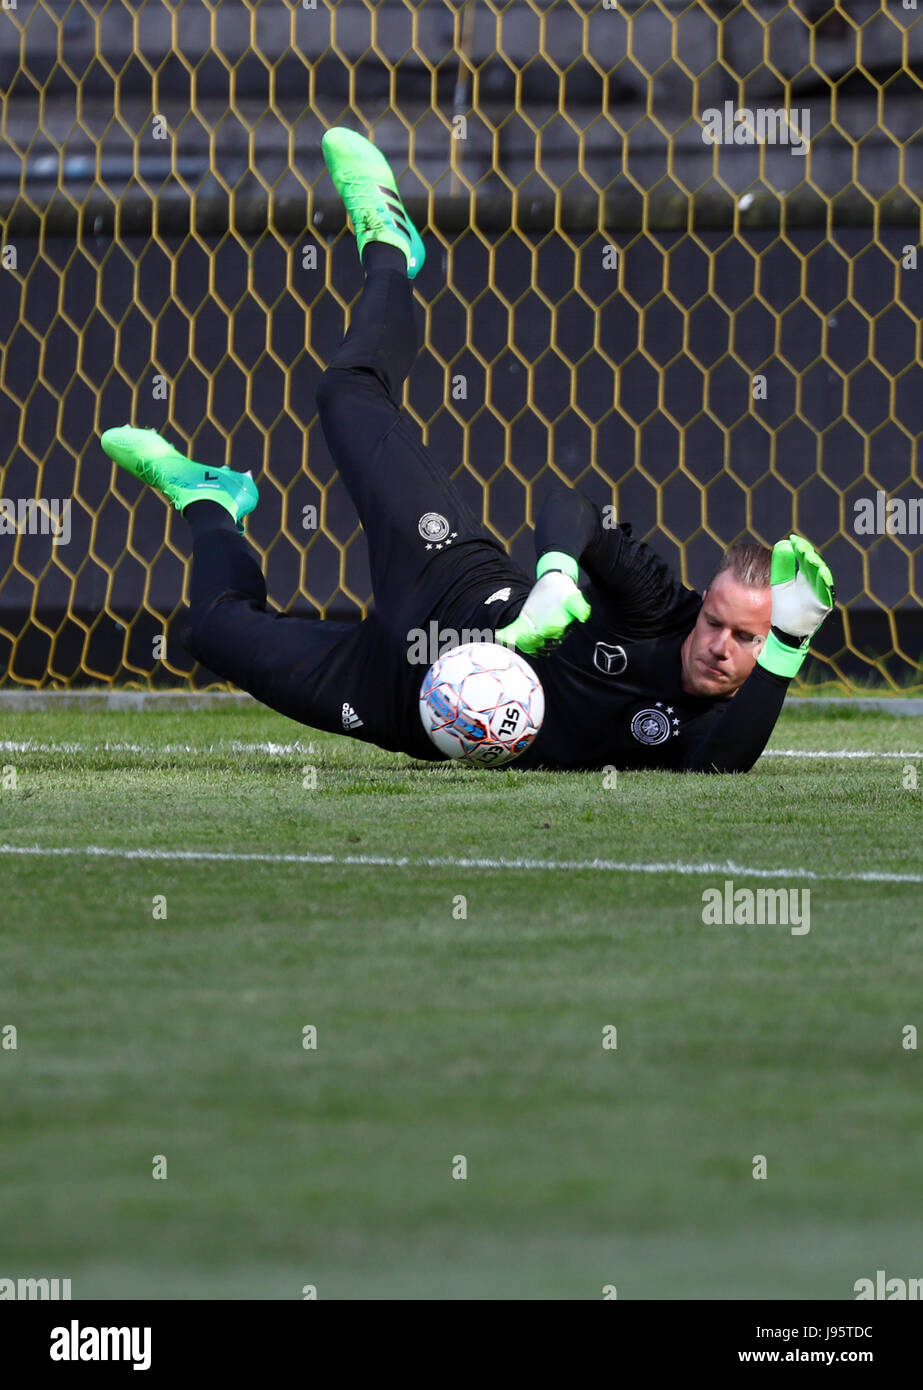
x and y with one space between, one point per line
155 461
363 178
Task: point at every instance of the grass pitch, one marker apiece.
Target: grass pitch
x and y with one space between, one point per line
441 1034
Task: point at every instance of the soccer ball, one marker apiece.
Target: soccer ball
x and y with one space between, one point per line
482 702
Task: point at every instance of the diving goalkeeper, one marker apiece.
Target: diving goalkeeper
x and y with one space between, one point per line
637 670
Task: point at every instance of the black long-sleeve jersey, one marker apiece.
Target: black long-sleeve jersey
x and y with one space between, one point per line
613 687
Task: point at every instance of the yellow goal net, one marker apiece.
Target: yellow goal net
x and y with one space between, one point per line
673 253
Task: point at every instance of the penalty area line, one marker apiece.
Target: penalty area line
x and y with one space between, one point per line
374 861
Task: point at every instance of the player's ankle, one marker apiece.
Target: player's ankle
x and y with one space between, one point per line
208 516
381 255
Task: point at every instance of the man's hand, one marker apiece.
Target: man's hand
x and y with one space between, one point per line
802 596
553 604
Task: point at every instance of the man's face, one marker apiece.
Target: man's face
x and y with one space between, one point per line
721 650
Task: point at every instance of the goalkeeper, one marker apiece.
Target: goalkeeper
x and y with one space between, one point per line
637 671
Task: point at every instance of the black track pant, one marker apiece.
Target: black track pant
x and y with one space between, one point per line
430 558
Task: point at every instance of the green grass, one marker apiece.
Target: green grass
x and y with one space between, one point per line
441 1036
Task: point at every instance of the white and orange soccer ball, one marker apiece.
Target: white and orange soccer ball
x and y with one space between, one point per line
482 702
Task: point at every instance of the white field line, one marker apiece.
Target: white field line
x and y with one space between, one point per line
278 750
231 746
836 753
447 862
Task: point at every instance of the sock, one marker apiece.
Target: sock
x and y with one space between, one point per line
208 516
380 255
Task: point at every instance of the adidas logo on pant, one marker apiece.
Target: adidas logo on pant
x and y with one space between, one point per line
351 719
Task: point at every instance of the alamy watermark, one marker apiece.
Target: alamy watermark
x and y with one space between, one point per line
426 645
36 516
891 1289
765 125
78 1342
882 515
757 907
32 1290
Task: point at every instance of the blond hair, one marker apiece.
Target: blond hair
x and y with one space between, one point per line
749 563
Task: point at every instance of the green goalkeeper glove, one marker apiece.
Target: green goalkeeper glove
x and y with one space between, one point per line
553 604
802 595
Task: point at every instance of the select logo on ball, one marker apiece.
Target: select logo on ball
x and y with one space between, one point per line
483 703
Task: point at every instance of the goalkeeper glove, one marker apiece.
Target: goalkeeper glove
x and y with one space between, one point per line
553 604
802 595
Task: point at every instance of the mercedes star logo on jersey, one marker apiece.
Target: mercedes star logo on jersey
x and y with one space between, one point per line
609 659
